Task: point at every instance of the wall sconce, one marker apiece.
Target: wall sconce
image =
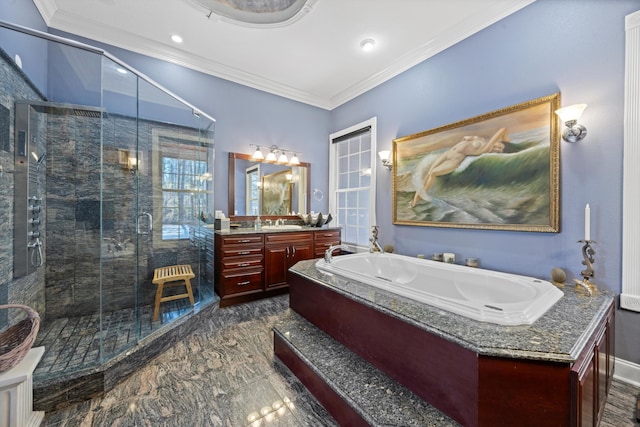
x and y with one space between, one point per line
384 156
276 154
569 116
130 159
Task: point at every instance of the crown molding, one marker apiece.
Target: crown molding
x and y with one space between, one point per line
102 32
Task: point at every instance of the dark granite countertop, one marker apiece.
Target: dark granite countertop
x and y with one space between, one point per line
240 231
559 335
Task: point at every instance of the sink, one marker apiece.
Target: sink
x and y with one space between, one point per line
281 227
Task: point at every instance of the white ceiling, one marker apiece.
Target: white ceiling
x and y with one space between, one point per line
315 58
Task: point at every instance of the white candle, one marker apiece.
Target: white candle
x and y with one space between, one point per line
587 222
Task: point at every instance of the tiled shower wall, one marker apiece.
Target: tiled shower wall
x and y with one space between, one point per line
73 216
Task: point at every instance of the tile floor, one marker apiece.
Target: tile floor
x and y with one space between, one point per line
73 344
224 374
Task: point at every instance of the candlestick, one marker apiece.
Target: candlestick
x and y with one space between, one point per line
588 256
587 223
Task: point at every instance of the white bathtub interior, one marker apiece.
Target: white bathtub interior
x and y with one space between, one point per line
479 294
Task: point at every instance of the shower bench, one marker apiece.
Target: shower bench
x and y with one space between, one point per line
173 275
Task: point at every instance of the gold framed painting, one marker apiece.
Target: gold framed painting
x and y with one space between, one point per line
276 193
497 171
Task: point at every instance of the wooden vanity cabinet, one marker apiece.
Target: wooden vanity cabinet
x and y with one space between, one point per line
323 240
281 251
252 266
238 267
591 376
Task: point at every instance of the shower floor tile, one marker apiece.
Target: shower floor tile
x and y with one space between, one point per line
73 343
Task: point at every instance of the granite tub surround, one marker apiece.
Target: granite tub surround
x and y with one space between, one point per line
559 335
544 370
372 398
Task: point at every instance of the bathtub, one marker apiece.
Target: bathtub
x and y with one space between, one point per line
483 295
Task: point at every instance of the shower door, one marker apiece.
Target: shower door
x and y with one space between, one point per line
156 184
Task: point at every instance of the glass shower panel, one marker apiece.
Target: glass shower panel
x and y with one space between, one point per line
119 209
175 167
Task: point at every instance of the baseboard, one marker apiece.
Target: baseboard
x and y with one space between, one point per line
628 372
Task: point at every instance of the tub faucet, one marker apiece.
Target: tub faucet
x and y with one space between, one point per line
328 254
374 245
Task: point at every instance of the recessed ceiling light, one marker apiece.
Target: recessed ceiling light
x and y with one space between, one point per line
367 44
176 38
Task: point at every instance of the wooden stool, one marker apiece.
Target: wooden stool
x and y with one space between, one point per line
174 275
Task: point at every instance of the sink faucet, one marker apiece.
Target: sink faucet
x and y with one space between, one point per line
279 222
374 245
328 253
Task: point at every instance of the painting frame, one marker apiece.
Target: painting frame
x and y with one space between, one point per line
485 172
276 193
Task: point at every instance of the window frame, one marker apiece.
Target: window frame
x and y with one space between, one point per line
333 178
179 192
162 149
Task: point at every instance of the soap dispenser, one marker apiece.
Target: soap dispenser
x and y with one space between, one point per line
257 224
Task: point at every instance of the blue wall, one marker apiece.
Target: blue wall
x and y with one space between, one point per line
572 47
32 51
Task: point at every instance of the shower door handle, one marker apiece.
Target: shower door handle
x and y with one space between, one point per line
150 218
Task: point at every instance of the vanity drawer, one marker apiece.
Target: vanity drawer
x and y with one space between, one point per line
325 239
236 281
304 237
241 250
327 236
242 239
241 262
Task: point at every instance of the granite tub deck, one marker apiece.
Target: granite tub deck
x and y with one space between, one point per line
498 371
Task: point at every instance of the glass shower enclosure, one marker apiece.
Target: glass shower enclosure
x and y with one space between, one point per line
106 176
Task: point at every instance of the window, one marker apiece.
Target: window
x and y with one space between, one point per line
183 195
182 168
352 182
253 190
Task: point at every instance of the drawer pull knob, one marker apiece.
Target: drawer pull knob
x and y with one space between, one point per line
244 253
244 264
244 283
244 241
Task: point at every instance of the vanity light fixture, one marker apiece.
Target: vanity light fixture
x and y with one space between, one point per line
367 45
384 157
276 154
569 116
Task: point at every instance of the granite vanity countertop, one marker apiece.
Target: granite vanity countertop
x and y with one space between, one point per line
559 335
240 231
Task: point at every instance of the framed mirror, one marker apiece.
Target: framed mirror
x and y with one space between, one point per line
258 187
